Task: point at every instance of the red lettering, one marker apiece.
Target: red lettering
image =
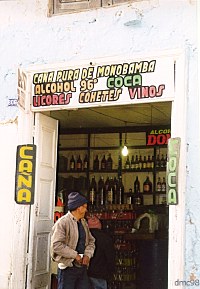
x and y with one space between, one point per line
151 140
132 92
48 99
67 98
152 91
161 139
160 90
61 98
54 99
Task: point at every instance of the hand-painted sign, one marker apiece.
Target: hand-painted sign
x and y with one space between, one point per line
172 170
158 136
25 174
110 84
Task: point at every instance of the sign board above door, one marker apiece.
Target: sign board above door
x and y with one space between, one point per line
103 84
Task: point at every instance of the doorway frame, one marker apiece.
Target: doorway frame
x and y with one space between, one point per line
178 129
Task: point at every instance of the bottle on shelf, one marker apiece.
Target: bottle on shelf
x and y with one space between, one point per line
120 192
163 186
106 184
144 163
149 166
85 163
79 164
119 164
132 163
101 198
116 183
127 163
158 185
162 161
158 161
140 162
111 192
136 185
109 163
129 197
147 186
96 163
72 164
93 192
165 160
136 163
137 199
103 163
152 162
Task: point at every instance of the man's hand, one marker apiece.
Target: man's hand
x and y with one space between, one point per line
85 260
79 259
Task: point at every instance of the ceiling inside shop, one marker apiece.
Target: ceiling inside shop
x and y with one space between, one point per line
154 114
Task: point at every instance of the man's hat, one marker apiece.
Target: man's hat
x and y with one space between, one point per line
75 200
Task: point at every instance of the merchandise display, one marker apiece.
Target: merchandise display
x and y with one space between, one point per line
119 189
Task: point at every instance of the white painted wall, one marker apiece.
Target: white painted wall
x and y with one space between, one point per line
28 37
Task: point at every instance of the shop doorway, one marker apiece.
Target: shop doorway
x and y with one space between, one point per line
130 120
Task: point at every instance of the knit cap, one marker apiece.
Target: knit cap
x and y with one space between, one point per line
94 223
75 200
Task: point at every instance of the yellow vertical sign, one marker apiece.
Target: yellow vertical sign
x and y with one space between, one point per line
25 174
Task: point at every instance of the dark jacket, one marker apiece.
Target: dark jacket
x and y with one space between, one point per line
102 264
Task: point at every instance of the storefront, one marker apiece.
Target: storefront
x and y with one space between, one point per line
91 109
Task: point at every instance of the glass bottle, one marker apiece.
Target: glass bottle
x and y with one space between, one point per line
85 163
96 163
103 163
79 164
158 185
127 164
92 192
149 166
162 161
136 163
120 192
147 186
136 185
109 163
72 163
101 198
140 162
163 186
107 182
132 163
111 192
137 199
158 161
144 163
129 199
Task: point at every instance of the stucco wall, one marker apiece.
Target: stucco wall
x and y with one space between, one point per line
28 37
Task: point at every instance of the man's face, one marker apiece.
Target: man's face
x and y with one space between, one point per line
82 210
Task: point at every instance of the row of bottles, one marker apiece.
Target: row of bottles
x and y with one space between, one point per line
104 193
161 161
161 186
135 164
104 164
139 163
112 191
78 165
83 165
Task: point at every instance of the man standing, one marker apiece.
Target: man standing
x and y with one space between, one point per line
102 264
72 245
